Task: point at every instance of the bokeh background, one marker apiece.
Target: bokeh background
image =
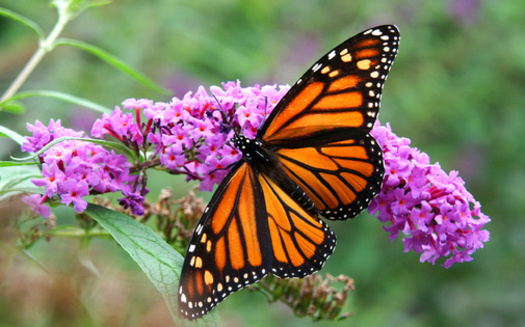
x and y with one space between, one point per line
457 90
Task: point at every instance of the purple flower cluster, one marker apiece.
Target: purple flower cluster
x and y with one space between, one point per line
186 136
191 136
72 169
433 209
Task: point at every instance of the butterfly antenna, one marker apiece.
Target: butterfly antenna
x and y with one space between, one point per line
264 114
220 109
225 126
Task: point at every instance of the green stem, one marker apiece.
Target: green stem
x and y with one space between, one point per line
80 233
44 47
68 232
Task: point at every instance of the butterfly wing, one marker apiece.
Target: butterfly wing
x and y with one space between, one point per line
320 129
251 227
228 248
300 241
338 97
341 178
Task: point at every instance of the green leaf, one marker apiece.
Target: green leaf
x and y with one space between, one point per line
18 179
114 145
159 261
23 20
73 8
10 178
14 108
6 132
11 164
31 190
114 61
57 95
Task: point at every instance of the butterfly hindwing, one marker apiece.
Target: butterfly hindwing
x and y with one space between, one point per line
341 178
339 97
301 242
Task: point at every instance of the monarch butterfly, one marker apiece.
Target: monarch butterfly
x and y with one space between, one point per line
313 156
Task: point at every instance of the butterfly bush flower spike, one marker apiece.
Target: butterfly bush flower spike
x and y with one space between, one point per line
432 209
72 169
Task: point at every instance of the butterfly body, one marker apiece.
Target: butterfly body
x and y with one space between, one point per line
312 157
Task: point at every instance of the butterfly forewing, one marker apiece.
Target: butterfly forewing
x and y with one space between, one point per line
339 97
320 130
230 247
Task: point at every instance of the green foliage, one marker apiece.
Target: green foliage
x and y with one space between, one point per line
56 95
14 136
108 144
24 21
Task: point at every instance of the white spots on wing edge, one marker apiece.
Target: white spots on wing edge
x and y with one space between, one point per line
316 67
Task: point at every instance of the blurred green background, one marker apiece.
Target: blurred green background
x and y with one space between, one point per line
457 90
